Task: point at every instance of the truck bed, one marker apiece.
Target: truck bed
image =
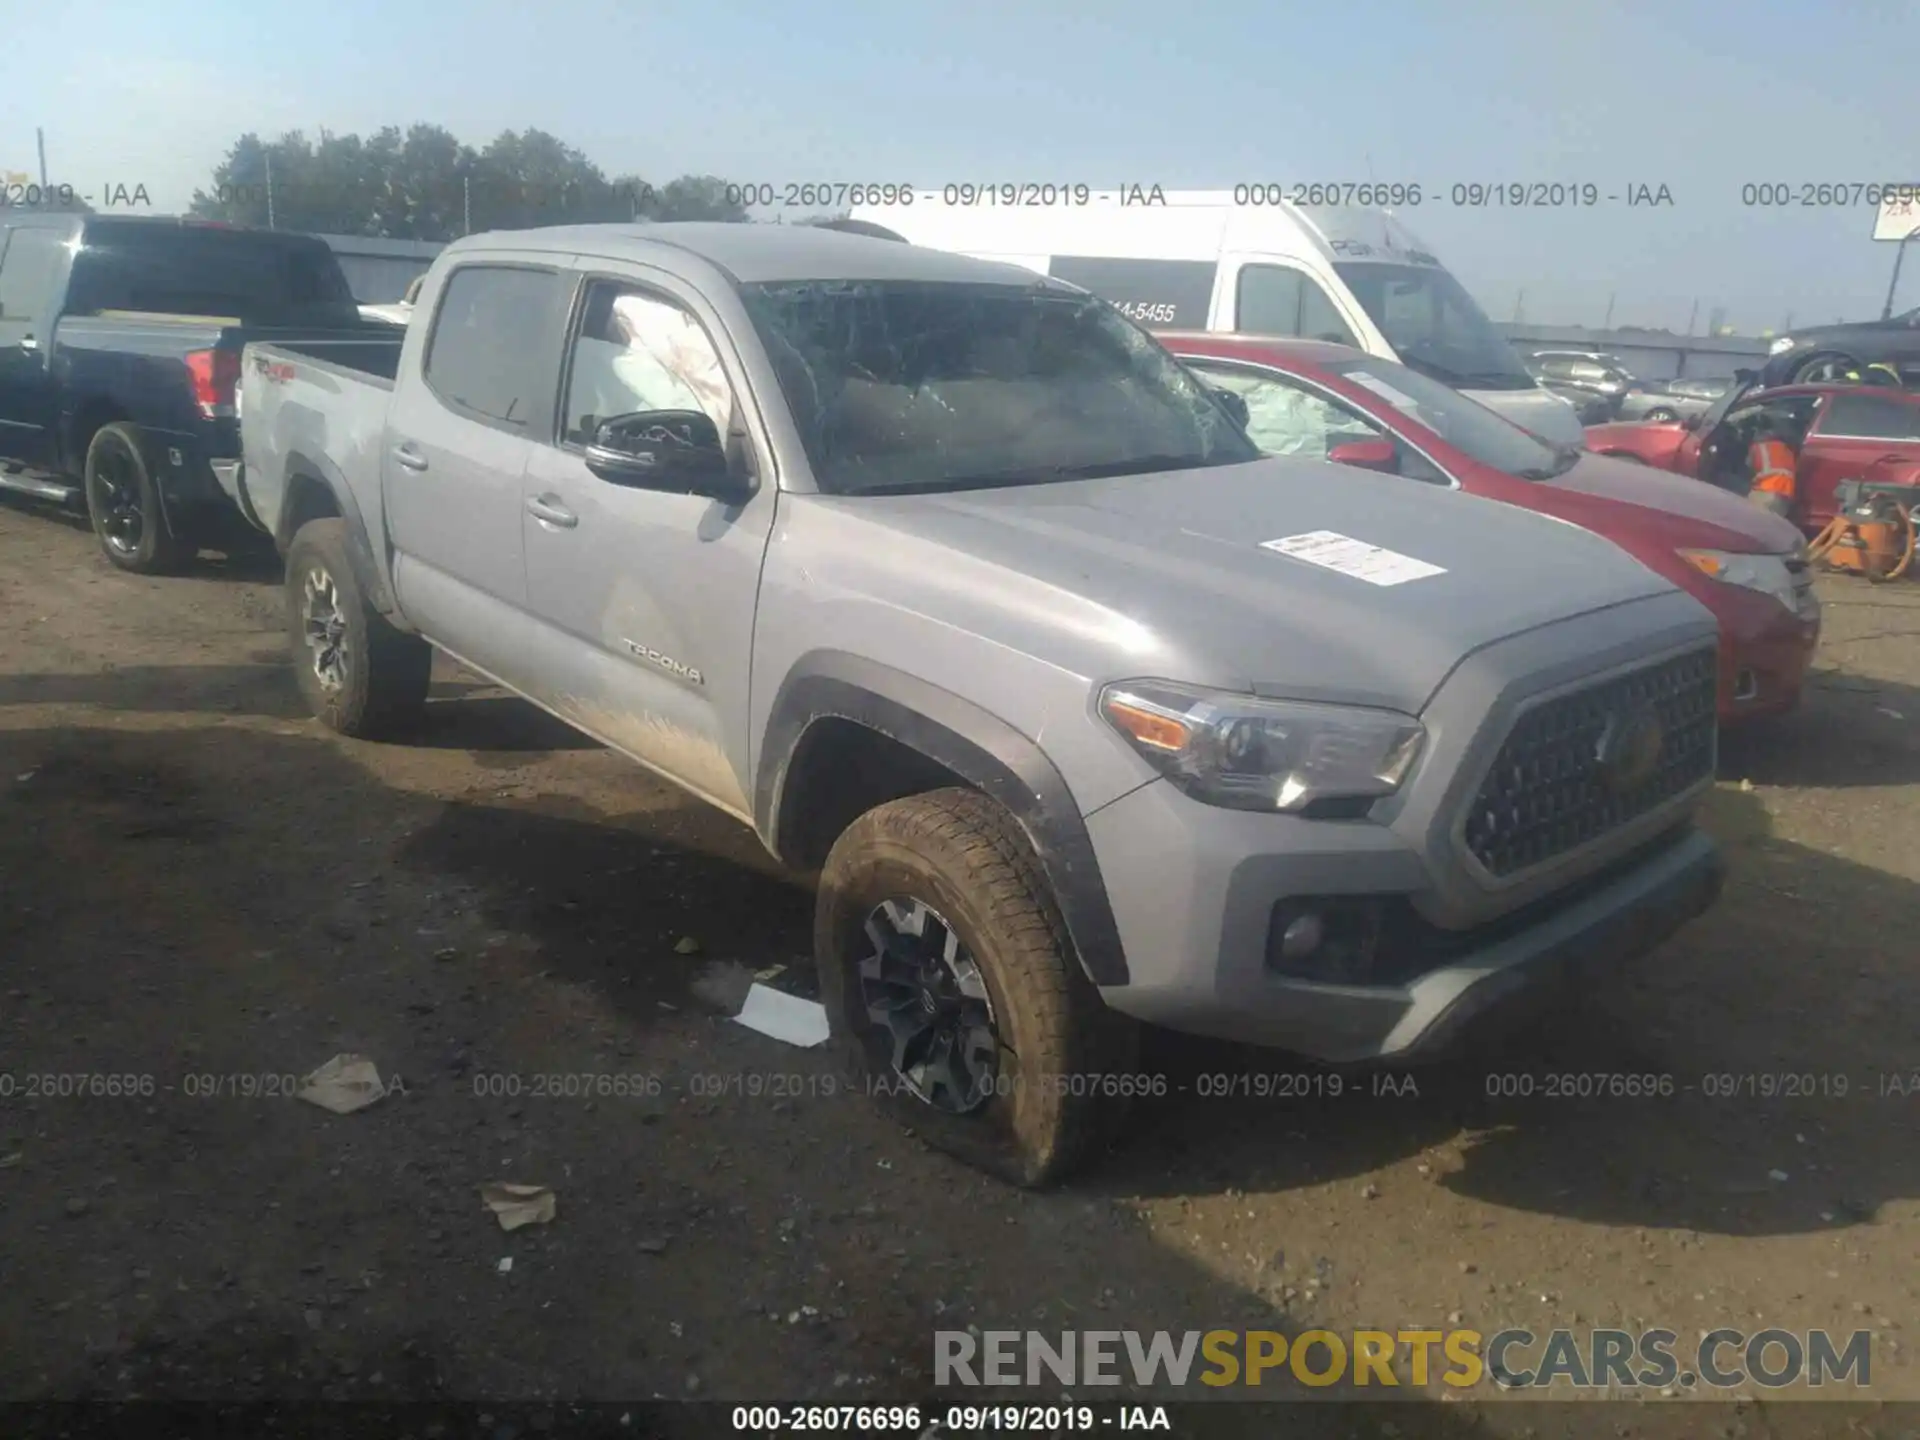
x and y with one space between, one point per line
315 408
373 358
133 364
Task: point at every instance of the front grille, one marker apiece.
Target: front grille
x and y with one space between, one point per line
1567 774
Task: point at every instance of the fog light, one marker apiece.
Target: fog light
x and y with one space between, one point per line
1329 939
1302 937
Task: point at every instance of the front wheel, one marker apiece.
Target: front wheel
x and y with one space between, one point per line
358 674
955 996
123 504
1661 417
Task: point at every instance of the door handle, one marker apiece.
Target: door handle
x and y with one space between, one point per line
409 458
552 512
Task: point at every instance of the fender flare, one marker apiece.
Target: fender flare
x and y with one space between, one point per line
979 747
317 469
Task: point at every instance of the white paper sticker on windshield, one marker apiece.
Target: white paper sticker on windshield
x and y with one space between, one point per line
1331 550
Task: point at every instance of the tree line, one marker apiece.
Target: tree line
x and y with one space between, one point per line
426 184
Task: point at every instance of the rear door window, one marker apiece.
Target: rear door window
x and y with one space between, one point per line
494 337
1159 294
1869 417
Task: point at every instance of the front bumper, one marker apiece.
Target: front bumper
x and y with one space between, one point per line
1194 891
1765 651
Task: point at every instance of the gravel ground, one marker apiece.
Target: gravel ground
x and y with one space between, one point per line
200 886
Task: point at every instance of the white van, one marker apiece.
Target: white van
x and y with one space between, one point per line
1201 261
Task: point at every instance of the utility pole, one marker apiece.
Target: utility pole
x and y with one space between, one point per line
1693 315
267 157
1519 305
466 204
40 139
1607 324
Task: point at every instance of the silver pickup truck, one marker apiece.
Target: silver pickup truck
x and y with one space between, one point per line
965 595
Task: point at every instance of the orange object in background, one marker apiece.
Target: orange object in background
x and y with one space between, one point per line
1874 537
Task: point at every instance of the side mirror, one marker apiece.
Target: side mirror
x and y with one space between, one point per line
1234 403
1381 455
672 450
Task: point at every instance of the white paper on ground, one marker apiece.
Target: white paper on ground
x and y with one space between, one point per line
344 1084
1331 550
783 1016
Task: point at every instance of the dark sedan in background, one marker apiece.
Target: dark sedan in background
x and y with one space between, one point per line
1843 353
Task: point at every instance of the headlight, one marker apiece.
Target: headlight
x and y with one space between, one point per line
1781 346
1765 573
1247 753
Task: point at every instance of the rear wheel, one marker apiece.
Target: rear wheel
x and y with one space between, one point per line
358 674
954 994
123 503
1831 367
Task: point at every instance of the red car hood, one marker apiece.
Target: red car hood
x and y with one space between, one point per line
1736 524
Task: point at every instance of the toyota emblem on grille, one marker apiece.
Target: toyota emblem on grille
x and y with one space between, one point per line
1629 750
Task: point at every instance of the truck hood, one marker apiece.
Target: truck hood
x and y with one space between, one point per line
1165 575
1700 514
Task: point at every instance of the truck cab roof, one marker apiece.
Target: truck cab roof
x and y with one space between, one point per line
760 254
86 220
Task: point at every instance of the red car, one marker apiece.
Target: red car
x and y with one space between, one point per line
1840 432
1334 403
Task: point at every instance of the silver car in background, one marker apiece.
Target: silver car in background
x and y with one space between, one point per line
1602 388
1675 399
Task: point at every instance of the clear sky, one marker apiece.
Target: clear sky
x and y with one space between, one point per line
1701 97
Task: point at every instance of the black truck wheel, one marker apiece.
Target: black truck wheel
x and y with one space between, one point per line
123 502
359 675
953 993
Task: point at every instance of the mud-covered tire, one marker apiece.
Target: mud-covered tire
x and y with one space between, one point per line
380 674
1065 1061
124 508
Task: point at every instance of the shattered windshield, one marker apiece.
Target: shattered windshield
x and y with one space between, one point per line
899 386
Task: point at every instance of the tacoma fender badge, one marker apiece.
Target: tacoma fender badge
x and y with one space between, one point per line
665 662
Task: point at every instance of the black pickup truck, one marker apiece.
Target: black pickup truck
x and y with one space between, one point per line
120 343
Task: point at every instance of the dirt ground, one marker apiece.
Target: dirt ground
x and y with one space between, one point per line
197 883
